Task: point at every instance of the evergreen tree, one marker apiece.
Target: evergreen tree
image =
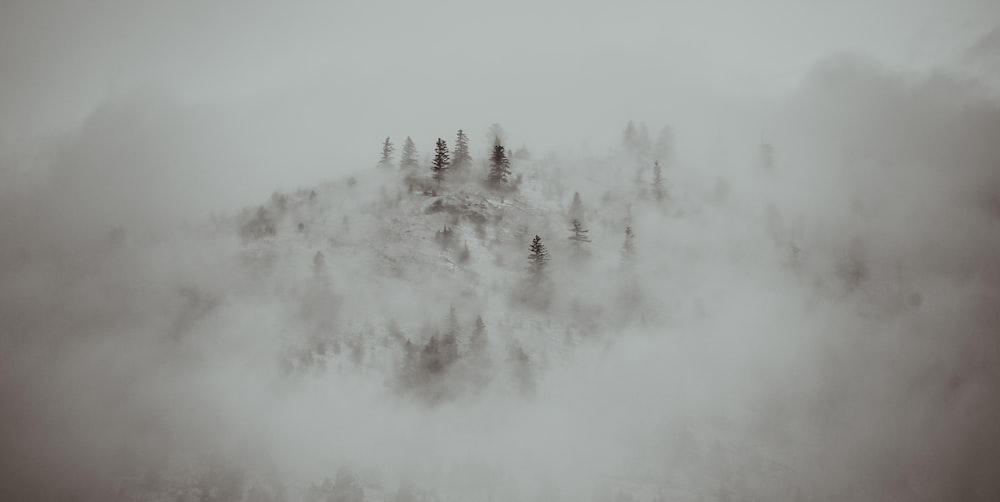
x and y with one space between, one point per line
538 257
449 342
464 255
659 187
319 262
579 235
576 207
628 248
409 158
629 137
478 342
440 163
460 157
499 166
430 357
387 150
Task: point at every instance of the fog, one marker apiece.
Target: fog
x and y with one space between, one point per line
210 290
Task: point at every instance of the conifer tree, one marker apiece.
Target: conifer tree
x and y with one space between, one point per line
449 342
658 184
499 166
387 150
441 162
579 235
629 137
538 258
460 158
409 157
576 207
478 341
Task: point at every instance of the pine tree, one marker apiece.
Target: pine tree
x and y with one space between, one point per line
440 163
579 234
449 342
460 157
387 150
499 166
629 137
658 184
464 255
409 158
628 248
478 342
576 207
538 257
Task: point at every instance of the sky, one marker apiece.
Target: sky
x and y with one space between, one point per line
389 66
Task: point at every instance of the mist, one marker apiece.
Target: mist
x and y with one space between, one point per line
782 285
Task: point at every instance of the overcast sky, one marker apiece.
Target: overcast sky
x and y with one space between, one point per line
462 62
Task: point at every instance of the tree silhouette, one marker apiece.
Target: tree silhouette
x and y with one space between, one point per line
579 235
409 157
576 207
538 257
387 150
499 166
659 187
440 163
460 157
478 342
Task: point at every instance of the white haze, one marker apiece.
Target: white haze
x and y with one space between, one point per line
140 333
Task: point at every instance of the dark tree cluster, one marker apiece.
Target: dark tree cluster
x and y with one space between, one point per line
440 369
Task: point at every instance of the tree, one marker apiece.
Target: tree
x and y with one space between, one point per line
478 342
449 342
409 157
629 137
463 254
460 157
579 235
347 487
658 184
499 166
440 163
319 262
387 150
576 207
628 247
538 258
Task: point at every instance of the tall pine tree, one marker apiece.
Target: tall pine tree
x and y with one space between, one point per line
579 235
460 158
538 258
409 158
499 166
387 150
659 188
441 162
